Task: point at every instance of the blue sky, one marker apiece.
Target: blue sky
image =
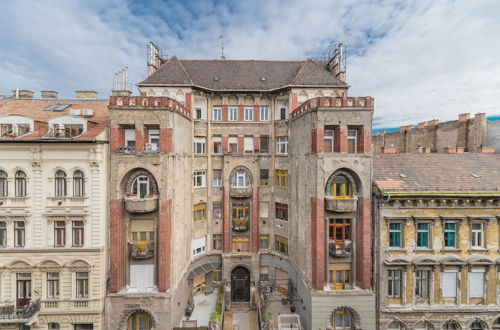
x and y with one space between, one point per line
420 59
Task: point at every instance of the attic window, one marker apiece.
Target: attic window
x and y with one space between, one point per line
404 176
216 78
477 176
56 107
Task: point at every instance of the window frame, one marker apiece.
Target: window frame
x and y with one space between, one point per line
264 113
248 114
200 212
217 114
448 232
423 236
61 184
82 285
53 285
78 184
281 178
281 211
19 233
475 234
345 227
78 233
264 177
354 138
200 145
217 242
263 241
233 114
394 282
20 184
282 145
4 184
329 139
281 244
422 283
202 176
3 233
217 179
398 232
59 233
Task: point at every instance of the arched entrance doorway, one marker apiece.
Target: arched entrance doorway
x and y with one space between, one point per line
240 285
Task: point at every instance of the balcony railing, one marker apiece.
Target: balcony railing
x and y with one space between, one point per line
14 201
21 313
340 249
241 224
141 205
142 250
341 204
67 201
125 150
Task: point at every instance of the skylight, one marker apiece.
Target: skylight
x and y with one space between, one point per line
56 107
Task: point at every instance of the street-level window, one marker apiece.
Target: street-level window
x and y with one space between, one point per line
199 179
282 145
217 275
53 326
82 284
281 178
476 283
394 283
78 234
248 114
449 283
233 114
450 235
422 278
217 114
19 233
59 233
395 234
264 113
477 234
52 285
423 234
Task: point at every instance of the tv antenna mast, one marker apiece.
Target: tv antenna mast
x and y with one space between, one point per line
222 43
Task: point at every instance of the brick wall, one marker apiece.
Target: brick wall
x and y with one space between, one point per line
118 246
318 242
164 245
255 220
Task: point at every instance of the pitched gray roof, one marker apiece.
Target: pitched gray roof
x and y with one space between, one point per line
242 74
469 172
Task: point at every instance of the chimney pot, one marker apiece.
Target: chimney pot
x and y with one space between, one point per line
49 94
463 117
23 94
85 94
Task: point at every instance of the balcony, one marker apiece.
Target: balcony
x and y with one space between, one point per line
141 205
241 225
340 249
125 150
19 314
341 204
240 192
14 201
142 250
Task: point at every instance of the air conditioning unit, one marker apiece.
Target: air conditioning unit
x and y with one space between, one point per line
75 112
87 112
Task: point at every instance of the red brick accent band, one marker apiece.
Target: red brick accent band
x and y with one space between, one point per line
166 139
118 246
116 138
343 140
241 144
139 139
188 101
255 220
293 101
256 143
317 140
241 113
363 246
256 113
225 142
226 224
164 245
225 113
318 246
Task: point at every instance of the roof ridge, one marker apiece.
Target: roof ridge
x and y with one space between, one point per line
241 60
299 70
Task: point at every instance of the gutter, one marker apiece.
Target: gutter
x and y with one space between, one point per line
244 90
441 194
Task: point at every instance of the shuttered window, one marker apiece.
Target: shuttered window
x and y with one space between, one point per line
449 284
248 145
476 284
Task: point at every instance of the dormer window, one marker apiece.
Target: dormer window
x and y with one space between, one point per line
68 126
72 130
13 125
6 130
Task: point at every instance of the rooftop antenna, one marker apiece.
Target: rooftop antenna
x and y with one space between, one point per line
221 37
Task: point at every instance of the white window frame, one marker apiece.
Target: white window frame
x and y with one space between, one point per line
233 114
200 145
264 113
474 290
217 114
232 140
330 137
240 179
203 178
355 138
198 246
449 280
248 114
129 134
248 144
154 134
196 109
477 235
217 181
282 145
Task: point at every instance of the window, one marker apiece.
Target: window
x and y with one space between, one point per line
20 184
200 145
477 325
88 327
248 145
264 273
78 236
60 181
200 212
476 283
264 242
281 178
339 187
395 234
217 275
248 114
282 145
217 209
394 283
217 178
23 289
282 113
233 114
6 130
264 177
395 325
339 230
264 144
423 234
340 319
71 130
450 235
281 244
130 138
217 114
22 129
52 285
59 233
264 113
3 184
198 113
78 184
19 233
82 285
423 326
53 326
3 233
352 141
329 140
282 211
217 140
449 284
240 244
451 325
199 179
339 278
422 278
477 234
233 144
142 232
154 138
240 179
141 187
198 246
217 242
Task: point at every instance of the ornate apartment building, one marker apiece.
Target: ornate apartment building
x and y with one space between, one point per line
245 173
53 212
437 241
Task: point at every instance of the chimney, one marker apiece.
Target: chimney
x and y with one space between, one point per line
85 94
120 86
49 94
432 123
336 63
22 94
486 150
450 150
422 125
388 150
463 117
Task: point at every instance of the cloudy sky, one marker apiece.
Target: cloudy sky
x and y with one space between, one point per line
420 59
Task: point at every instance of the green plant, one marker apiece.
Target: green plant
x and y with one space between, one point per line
268 316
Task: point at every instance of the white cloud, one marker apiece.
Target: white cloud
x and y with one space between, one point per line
420 59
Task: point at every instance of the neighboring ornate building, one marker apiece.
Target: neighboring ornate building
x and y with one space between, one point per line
53 212
251 173
437 241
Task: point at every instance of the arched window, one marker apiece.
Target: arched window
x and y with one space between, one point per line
140 321
78 184
477 325
424 325
496 324
140 187
20 184
451 325
339 187
340 319
240 179
396 325
60 183
3 184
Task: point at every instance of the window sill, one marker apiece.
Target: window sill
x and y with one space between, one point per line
396 249
423 250
451 250
281 155
478 249
199 187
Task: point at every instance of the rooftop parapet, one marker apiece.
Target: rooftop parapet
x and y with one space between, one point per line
149 102
338 102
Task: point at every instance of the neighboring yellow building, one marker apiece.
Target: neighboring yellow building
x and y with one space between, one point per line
437 241
53 213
